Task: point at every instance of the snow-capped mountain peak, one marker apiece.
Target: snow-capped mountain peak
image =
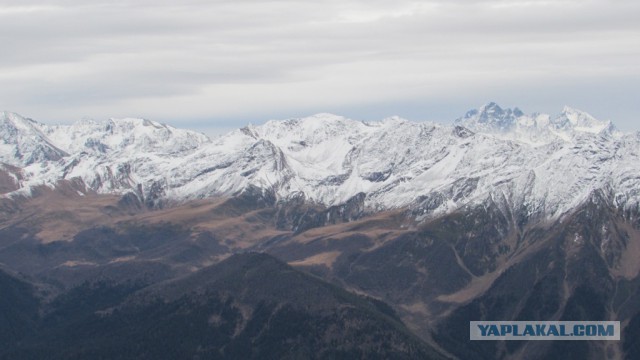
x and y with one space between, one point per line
577 120
536 129
23 143
118 135
491 118
310 130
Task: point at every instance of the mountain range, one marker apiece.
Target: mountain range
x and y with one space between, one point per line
498 216
490 153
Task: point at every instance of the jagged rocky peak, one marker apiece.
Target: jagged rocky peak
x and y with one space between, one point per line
535 129
491 117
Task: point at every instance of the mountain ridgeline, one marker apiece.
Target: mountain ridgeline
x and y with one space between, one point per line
320 237
489 153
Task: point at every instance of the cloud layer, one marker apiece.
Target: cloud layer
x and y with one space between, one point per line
210 63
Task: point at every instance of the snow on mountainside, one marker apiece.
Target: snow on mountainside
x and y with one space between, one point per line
22 142
529 165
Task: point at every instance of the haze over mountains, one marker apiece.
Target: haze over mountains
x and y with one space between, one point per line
501 215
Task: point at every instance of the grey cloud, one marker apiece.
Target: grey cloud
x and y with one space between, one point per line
108 56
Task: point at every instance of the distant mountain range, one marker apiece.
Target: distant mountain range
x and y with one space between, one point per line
319 237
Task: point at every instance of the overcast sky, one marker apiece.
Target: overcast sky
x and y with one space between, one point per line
223 64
